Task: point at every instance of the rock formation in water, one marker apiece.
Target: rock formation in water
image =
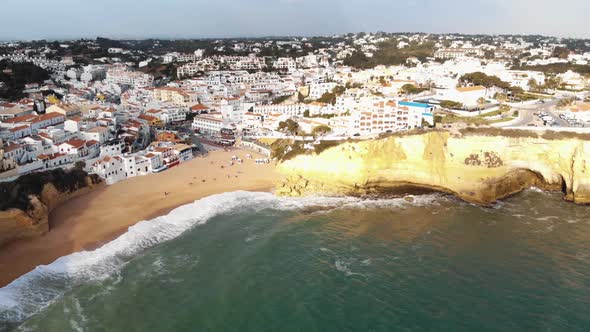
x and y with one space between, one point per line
25 203
477 166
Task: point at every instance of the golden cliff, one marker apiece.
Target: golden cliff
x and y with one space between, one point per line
475 166
32 219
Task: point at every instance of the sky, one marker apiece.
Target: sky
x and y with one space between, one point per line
65 19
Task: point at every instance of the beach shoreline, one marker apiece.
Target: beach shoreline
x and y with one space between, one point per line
88 221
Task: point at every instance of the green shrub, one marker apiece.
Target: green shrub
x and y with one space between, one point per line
16 194
490 131
562 135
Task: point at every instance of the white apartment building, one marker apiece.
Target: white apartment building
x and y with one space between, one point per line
231 113
284 109
38 122
468 96
285 64
453 53
176 96
208 124
124 76
383 117
136 165
111 169
168 115
190 69
316 90
112 149
182 152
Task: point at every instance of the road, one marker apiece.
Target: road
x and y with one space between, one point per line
526 114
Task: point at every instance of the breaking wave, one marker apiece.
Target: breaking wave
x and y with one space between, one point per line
36 290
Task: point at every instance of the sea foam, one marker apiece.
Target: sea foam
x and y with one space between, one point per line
36 290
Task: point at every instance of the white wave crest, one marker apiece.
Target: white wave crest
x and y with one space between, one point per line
37 289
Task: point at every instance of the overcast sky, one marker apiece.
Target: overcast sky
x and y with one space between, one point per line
57 19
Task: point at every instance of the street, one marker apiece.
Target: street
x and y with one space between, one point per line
527 114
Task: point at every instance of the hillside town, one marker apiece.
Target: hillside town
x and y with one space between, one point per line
121 109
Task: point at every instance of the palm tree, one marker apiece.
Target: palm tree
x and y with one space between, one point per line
501 98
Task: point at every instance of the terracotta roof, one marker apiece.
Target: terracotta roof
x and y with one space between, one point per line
148 117
199 107
76 143
15 129
106 159
57 155
22 118
49 116
12 147
98 129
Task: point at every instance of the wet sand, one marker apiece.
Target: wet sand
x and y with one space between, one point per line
91 220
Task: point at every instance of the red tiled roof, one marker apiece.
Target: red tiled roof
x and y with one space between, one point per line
199 107
48 116
22 118
76 143
12 147
15 129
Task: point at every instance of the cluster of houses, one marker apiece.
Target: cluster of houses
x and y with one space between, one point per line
109 113
106 141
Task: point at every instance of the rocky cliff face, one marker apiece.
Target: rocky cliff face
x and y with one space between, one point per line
18 224
477 168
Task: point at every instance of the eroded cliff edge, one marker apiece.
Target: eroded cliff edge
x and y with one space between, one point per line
474 166
25 204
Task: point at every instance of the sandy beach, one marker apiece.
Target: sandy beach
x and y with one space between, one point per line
88 221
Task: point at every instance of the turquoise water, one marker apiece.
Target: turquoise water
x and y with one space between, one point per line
253 262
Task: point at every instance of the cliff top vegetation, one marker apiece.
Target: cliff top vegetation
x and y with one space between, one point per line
16 194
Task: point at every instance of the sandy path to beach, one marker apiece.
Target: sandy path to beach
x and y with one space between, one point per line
88 221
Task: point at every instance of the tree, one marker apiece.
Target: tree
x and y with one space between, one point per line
306 114
504 109
16 75
411 89
552 83
501 98
289 126
481 103
80 165
565 102
533 85
339 90
479 78
451 104
560 52
328 98
320 130
300 97
280 100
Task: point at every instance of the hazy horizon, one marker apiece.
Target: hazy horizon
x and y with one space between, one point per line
246 37
185 19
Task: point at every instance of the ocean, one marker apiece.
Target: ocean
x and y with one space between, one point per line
247 261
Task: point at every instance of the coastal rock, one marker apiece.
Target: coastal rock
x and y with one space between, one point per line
17 224
476 167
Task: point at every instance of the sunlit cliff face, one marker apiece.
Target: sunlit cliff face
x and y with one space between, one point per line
476 168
